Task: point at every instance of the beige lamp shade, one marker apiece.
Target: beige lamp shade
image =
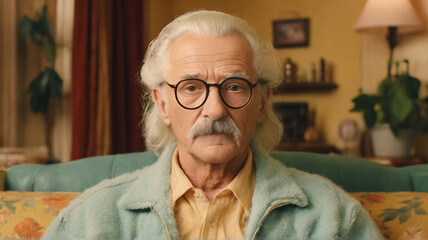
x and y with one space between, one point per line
381 14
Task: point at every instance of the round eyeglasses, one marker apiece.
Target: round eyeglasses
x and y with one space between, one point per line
234 92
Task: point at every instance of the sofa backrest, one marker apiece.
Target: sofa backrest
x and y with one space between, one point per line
353 174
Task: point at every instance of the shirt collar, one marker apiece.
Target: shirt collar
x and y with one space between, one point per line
241 186
180 184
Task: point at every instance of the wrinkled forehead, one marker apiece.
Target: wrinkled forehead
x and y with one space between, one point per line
190 54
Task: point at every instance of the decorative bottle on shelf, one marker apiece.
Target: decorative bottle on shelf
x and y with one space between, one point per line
290 71
322 70
310 72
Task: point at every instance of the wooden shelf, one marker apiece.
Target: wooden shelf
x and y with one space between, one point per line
398 162
315 147
306 87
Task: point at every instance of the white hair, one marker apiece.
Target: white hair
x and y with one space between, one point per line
216 24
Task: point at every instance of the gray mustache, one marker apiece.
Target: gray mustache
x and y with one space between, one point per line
207 126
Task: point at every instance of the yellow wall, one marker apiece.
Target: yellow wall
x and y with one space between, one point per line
331 36
157 14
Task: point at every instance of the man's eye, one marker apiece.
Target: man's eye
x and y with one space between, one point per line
233 88
190 88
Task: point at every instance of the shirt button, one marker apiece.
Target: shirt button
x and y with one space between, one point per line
212 224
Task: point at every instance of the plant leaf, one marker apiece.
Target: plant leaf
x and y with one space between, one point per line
363 102
45 25
25 26
404 217
39 103
55 84
410 84
9 205
420 211
388 216
370 117
384 88
366 103
407 202
49 50
400 105
36 36
39 85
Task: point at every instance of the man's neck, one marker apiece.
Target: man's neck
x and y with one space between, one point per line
211 178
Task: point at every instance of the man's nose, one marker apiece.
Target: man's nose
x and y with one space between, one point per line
214 107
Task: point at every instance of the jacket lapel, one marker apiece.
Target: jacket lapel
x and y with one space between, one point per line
274 187
151 190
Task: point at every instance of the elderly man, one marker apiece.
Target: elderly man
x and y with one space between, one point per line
211 119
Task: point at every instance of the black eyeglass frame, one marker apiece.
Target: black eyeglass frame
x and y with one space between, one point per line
218 85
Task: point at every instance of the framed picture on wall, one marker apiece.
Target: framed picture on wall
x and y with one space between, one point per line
291 33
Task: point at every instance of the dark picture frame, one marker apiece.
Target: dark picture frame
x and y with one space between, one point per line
291 33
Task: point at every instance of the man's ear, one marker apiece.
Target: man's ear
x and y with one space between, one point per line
157 95
263 106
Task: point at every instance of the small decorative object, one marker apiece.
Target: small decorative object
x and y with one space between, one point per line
47 84
312 73
348 132
291 33
290 71
311 133
322 70
308 73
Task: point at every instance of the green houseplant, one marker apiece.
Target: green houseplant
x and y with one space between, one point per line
397 103
47 84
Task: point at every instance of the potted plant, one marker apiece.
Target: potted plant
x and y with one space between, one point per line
47 84
396 111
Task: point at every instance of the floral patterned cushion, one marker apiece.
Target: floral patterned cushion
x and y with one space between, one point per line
399 215
26 215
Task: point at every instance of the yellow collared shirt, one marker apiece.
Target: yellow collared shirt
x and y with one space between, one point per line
225 217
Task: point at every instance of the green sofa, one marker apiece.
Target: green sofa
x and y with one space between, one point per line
353 174
35 194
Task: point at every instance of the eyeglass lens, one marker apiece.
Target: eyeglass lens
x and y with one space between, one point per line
192 93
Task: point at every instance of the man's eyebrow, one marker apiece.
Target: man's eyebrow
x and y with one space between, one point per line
235 74
191 76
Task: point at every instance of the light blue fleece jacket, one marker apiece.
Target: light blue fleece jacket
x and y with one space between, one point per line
287 204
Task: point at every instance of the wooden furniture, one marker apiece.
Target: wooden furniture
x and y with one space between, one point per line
11 156
306 87
398 162
314 147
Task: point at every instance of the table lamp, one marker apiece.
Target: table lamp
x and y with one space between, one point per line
391 16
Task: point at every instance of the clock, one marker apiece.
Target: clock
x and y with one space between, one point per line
348 130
